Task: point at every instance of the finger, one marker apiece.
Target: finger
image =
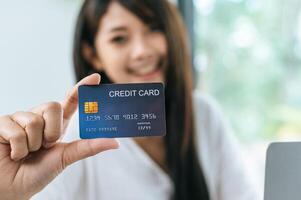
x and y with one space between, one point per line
52 114
13 134
33 125
70 103
81 149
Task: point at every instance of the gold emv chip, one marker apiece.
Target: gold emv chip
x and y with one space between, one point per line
91 107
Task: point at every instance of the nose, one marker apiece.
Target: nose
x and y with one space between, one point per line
141 49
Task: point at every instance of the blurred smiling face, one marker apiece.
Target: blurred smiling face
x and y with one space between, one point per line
127 49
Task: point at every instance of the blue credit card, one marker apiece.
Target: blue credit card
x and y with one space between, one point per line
121 110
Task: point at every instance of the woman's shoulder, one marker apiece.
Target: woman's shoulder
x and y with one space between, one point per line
213 130
211 127
208 135
219 151
207 112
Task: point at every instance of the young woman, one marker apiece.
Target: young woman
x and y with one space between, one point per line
125 41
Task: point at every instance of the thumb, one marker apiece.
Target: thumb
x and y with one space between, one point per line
70 103
81 149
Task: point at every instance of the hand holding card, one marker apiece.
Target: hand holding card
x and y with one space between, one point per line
31 154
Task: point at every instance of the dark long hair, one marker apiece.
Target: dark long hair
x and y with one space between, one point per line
181 155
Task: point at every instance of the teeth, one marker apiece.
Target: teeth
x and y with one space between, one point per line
146 70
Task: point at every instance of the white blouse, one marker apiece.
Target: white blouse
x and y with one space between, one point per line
128 173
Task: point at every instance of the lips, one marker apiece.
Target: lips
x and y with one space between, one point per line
147 70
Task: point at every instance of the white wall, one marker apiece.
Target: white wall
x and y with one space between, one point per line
35 52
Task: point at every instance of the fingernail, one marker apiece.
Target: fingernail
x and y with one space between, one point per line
118 142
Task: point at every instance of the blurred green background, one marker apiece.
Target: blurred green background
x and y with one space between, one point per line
248 56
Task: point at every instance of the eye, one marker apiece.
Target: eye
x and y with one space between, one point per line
119 39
